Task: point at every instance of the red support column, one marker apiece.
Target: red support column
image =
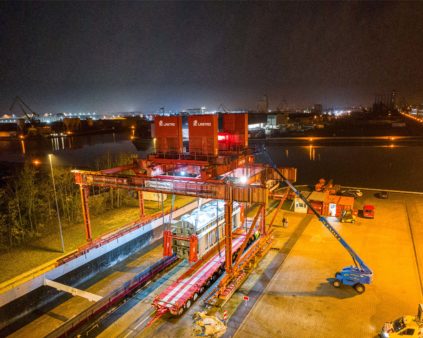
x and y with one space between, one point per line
85 192
242 213
167 243
193 248
228 235
141 204
263 220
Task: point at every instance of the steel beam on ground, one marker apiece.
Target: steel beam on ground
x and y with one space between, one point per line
73 291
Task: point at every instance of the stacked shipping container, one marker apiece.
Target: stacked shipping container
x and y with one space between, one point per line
202 131
168 133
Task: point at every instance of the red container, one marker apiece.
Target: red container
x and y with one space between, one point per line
203 134
237 126
168 133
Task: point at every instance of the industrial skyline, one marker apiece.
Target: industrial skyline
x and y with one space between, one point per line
140 56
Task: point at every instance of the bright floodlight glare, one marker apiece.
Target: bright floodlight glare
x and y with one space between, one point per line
243 179
182 173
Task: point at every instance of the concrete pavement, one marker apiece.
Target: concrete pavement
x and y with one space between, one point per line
299 301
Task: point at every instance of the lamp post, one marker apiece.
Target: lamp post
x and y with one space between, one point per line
57 204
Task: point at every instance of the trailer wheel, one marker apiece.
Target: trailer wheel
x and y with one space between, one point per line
201 290
194 298
359 288
336 283
188 304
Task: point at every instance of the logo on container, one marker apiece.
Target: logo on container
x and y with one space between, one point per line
195 123
166 124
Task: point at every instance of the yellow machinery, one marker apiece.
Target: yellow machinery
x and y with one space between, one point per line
405 326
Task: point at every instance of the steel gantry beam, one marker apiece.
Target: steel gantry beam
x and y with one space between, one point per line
214 189
250 193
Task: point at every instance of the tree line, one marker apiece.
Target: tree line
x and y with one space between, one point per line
27 205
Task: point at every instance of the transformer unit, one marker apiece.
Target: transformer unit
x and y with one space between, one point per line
203 228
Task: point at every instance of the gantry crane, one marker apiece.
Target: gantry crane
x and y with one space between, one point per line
356 275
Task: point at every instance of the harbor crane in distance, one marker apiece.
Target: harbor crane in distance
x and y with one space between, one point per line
30 115
356 275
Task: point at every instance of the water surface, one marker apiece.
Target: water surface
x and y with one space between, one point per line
376 163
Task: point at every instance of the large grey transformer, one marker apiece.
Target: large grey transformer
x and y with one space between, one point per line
207 223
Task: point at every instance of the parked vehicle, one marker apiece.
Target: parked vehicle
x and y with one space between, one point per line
382 195
369 211
347 216
352 193
405 326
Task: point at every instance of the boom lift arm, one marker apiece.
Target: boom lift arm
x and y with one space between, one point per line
356 275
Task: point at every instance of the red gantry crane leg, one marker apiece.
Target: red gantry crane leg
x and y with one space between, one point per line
228 235
86 211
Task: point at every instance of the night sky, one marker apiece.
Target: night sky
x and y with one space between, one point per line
140 56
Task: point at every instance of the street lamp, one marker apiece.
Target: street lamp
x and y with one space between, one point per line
57 204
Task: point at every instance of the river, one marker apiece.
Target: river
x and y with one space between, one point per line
380 163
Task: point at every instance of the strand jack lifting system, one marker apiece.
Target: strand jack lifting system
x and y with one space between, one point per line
356 275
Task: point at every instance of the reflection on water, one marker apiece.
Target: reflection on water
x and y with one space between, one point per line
391 164
73 150
312 152
23 147
58 143
388 166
